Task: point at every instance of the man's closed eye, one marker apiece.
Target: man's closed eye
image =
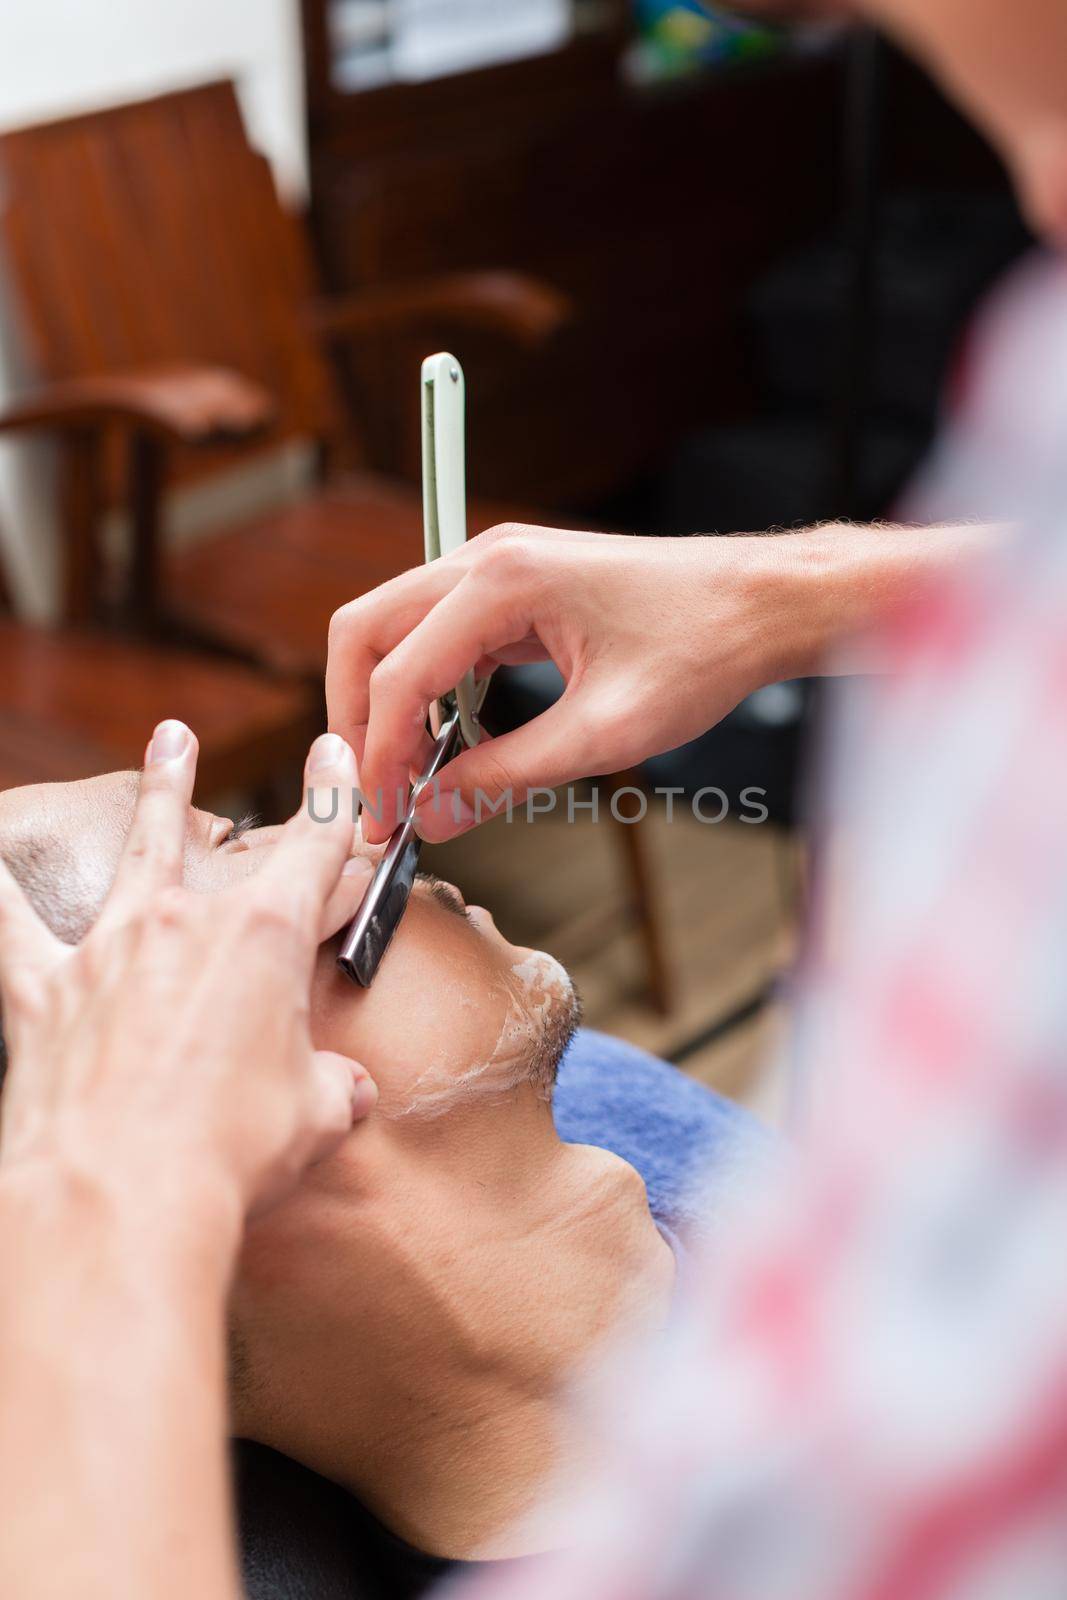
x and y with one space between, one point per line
444 894
242 826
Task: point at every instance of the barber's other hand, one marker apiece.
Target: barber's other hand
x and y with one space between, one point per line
170 1052
656 638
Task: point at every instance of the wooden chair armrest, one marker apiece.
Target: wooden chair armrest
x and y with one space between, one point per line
510 303
180 404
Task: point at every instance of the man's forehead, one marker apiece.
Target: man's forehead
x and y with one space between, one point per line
63 842
102 805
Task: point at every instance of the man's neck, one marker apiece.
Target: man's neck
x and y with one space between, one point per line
475 1262
504 1150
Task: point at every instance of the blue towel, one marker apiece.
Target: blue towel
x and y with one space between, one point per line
687 1142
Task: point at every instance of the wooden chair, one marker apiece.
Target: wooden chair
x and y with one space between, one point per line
74 703
167 307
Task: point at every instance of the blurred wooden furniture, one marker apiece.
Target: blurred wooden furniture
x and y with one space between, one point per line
166 306
653 207
77 703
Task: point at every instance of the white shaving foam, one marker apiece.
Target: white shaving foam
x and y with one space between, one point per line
538 989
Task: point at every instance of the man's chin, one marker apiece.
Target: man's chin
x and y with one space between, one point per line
550 998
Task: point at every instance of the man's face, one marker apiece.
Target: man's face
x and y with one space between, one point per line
454 1009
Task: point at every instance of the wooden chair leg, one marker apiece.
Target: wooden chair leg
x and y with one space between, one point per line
632 839
147 477
81 494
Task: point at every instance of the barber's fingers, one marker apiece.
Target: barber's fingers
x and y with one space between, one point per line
25 942
557 747
479 616
314 846
365 631
152 857
340 1093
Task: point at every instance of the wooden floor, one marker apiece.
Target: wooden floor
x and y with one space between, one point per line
729 898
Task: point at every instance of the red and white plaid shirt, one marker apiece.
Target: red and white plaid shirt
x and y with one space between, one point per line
865 1396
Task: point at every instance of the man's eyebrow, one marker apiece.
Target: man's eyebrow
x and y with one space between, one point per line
443 894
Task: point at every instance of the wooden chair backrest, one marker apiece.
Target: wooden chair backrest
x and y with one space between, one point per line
153 233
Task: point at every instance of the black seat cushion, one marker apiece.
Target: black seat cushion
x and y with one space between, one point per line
303 1538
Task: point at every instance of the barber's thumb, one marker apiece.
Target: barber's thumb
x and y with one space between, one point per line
343 1094
464 795
495 778
477 786
348 892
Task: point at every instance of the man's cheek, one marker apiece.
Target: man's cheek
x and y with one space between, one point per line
332 998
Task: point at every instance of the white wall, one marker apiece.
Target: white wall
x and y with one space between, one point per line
60 56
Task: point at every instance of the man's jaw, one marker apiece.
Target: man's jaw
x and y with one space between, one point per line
541 1011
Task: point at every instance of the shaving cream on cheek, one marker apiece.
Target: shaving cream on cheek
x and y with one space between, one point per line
535 989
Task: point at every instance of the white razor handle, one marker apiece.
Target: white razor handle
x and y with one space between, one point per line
444 494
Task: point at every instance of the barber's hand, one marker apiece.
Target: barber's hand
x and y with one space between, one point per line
171 1049
657 639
